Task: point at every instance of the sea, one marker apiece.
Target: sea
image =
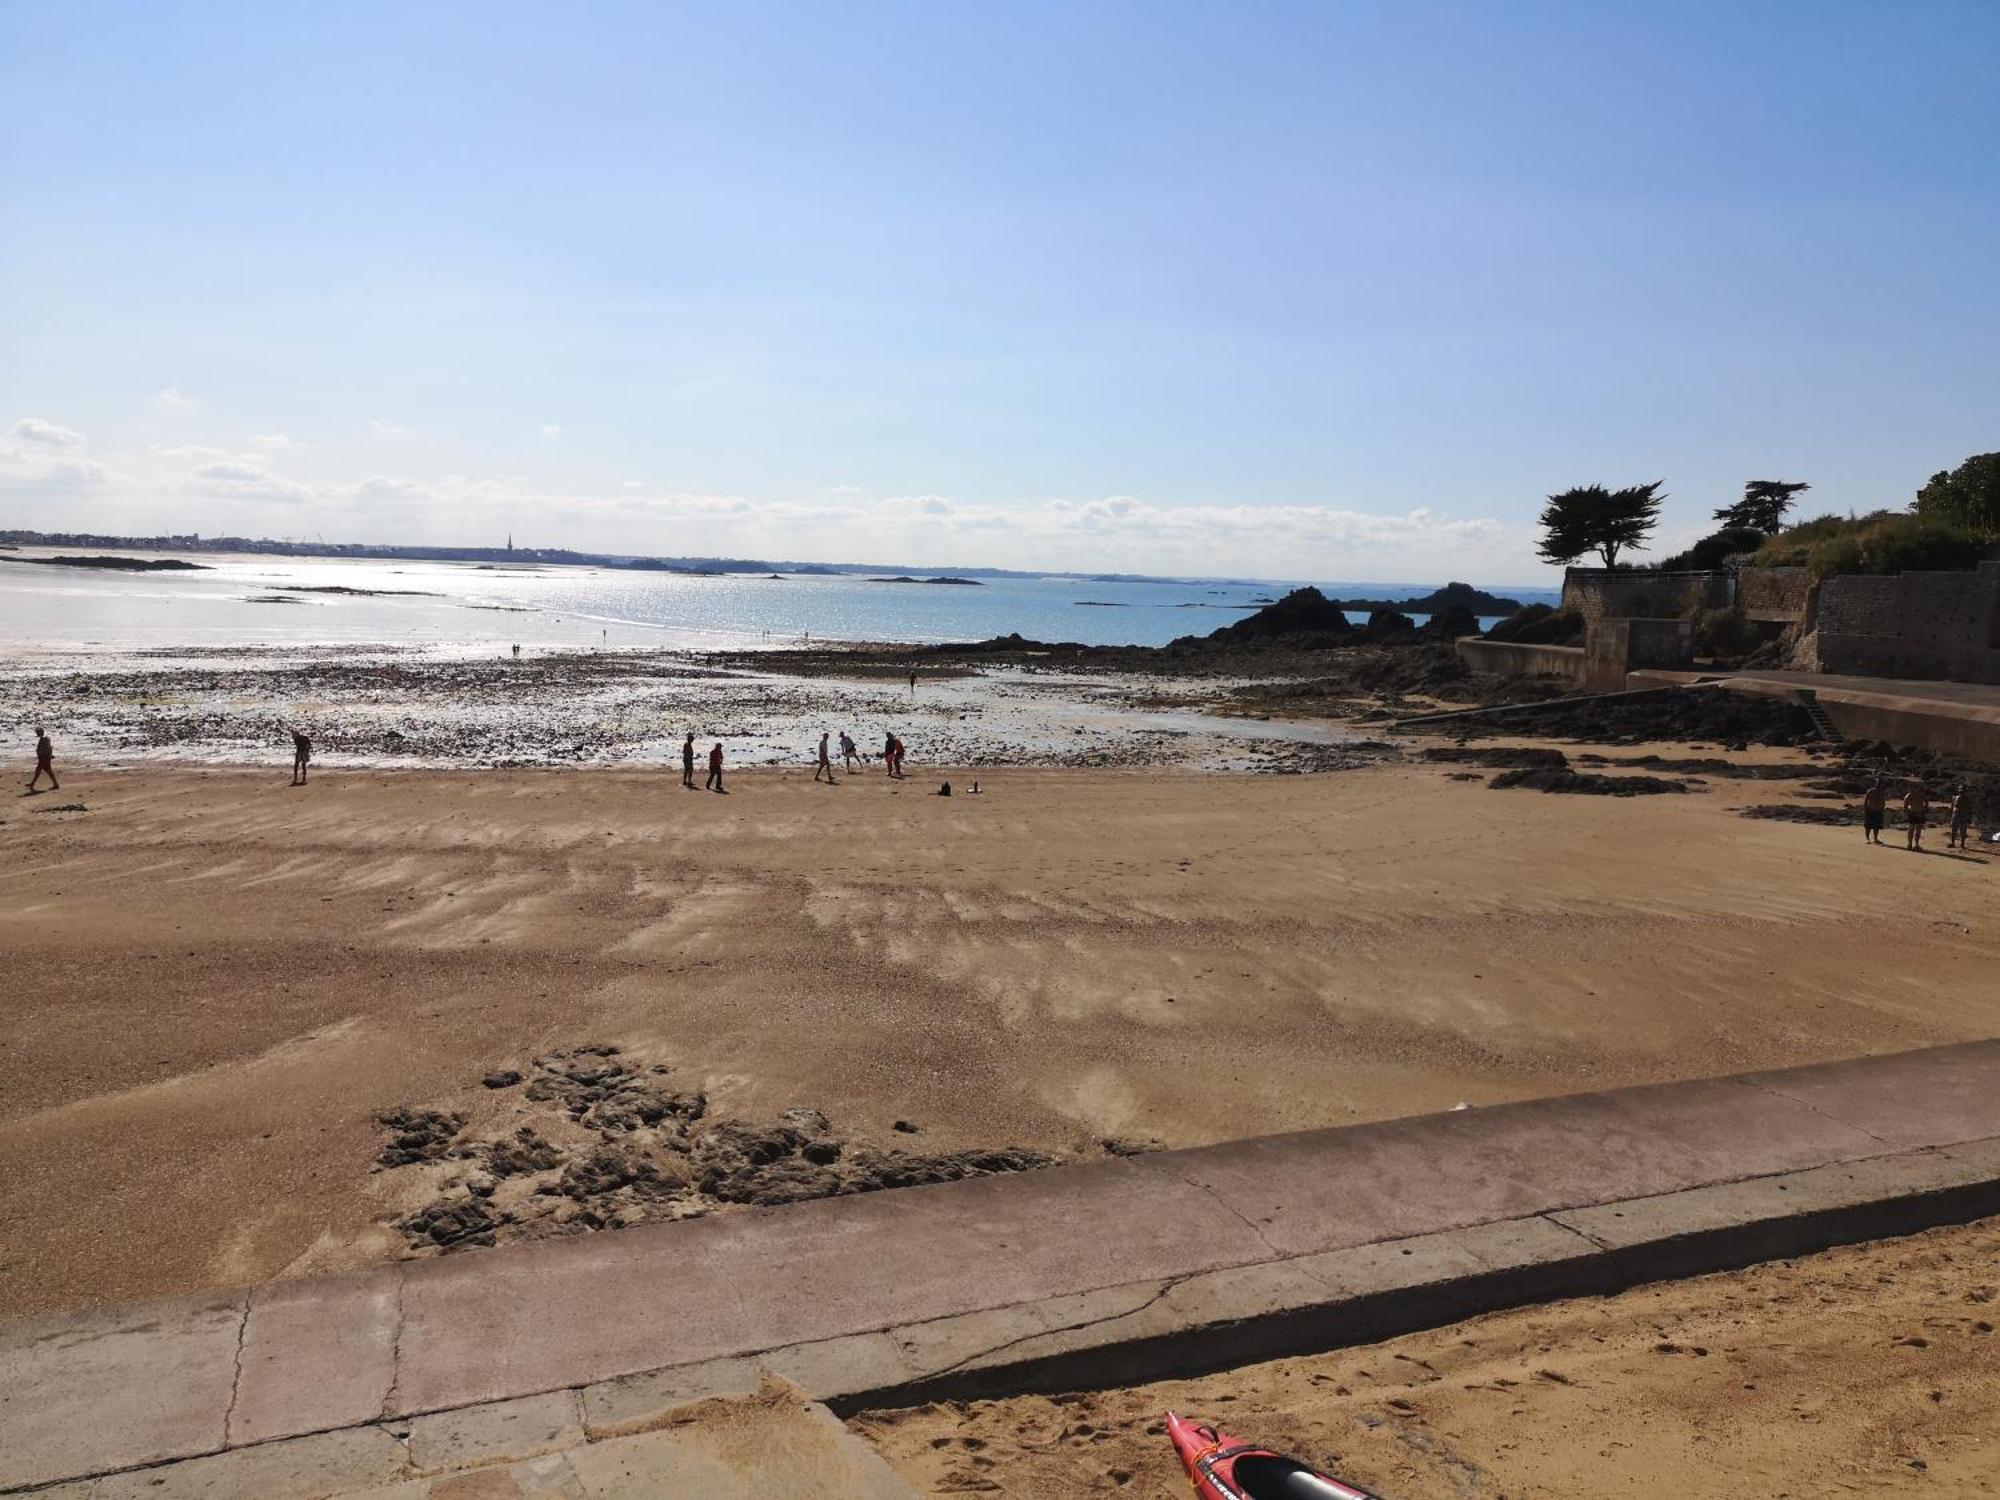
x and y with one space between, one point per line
250 601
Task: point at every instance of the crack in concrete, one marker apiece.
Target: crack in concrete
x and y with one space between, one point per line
1164 1289
1806 1104
1583 1234
395 1350
236 1376
1233 1211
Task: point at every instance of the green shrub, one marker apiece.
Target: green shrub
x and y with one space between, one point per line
1713 550
1883 541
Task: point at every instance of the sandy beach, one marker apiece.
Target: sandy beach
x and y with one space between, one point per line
1871 1369
217 981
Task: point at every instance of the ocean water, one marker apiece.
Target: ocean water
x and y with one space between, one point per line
250 601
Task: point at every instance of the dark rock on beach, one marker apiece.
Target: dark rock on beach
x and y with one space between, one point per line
1804 812
452 1222
1498 757
417 1135
1585 783
614 1148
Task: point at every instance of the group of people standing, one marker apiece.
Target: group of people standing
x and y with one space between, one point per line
1916 804
892 756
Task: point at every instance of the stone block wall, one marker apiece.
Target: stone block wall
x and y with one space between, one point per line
1607 594
1776 595
1924 625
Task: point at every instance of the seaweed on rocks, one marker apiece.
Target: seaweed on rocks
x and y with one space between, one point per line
1585 783
1498 756
1688 714
1707 765
416 1135
1797 812
609 1146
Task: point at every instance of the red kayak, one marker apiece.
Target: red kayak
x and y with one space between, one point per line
1227 1468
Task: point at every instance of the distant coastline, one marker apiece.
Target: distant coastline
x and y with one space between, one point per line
714 567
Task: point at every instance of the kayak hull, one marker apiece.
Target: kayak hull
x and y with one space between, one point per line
1222 1467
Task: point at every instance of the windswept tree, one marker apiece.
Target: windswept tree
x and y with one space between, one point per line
1967 496
1591 518
1763 505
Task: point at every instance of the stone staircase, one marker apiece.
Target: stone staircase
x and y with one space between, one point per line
1822 722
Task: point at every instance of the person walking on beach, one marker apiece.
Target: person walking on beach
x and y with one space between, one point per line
45 762
714 782
913 684
302 753
1959 825
687 761
1872 809
1917 809
847 751
825 767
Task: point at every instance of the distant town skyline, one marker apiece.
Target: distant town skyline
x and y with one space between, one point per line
1274 291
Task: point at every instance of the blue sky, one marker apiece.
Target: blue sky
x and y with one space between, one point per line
1299 290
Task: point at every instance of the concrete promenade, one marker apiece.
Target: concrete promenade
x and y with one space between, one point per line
1951 718
394 1381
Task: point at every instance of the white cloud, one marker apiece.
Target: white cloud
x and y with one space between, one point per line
245 481
552 430
381 489
272 440
170 395
915 505
31 472
39 430
199 487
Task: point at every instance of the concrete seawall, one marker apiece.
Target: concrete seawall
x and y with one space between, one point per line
1115 1271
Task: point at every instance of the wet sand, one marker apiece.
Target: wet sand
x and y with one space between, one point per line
216 980
1873 1369
406 708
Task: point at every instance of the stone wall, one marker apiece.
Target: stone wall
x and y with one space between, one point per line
1607 594
1924 625
1615 647
1776 595
1518 659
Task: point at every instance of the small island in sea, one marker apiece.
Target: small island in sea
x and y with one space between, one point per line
1439 601
119 564
971 583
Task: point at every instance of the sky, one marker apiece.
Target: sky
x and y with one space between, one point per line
1286 290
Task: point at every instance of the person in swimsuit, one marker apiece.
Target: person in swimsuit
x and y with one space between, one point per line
1959 826
687 761
714 782
1917 809
1873 804
825 767
45 762
302 753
